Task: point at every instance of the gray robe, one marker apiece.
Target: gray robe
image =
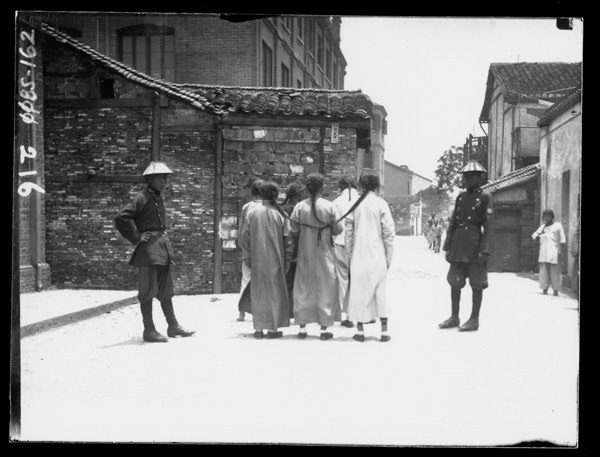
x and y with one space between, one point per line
266 248
316 284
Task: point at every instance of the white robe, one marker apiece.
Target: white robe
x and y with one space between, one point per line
551 238
369 236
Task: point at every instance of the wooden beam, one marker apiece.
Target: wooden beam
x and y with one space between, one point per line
98 178
293 121
218 210
155 128
86 103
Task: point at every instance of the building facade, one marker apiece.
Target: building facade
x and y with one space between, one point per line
517 96
92 144
285 51
560 163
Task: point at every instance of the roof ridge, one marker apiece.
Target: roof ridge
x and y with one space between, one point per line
274 88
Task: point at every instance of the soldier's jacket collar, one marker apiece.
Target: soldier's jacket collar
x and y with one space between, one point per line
153 191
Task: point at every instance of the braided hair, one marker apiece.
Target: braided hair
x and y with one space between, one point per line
314 184
269 190
347 182
255 187
293 192
369 181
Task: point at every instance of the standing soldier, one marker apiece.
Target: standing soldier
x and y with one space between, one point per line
466 245
143 222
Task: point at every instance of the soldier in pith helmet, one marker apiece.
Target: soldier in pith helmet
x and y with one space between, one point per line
467 244
143 221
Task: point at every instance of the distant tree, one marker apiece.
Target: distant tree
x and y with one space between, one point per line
447 174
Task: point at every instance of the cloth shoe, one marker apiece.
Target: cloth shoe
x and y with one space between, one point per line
556 293
469 326
347 323
385 338
272 335
450 323
259 335
178 330
360 338
152 336
326 336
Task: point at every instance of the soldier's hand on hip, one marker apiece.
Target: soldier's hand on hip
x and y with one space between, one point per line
482 259
145 237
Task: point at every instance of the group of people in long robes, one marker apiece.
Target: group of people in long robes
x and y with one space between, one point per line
316 261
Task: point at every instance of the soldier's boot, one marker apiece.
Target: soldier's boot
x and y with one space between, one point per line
173 329
453 320
150 334
473 323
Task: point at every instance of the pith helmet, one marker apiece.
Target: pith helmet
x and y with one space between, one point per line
157 168
473 165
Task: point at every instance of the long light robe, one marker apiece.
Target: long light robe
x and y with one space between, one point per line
246 210
267 249
369 234
342 204
315 283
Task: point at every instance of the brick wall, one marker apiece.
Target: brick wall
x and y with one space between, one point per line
281 154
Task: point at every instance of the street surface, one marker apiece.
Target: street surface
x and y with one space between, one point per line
514 380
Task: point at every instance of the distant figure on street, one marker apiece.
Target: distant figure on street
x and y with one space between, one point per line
437 235
315 285
430 231
143 221
369 238
467 245
348 196
246 210
293 195
552 238
267 251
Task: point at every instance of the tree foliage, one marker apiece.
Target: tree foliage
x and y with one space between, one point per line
447 174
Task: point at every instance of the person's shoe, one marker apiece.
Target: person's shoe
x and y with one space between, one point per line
347 323
241 317
556 293
178 330
469 326
545 291
301 335
326 336
273 335
152 336
359 337
450 323
259 335
385 338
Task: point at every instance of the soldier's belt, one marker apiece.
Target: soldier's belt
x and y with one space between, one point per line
469 226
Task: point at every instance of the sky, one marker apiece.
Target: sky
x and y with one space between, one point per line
430 74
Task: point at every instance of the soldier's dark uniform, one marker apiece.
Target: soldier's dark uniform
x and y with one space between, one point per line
153 258
467 248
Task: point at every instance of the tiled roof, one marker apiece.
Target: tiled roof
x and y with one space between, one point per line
549 81
515 177
567 102
222 99
284 100
127 72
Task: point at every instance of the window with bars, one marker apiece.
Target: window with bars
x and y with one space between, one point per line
320 47
300 28
310 35
267 65
149 49
285 76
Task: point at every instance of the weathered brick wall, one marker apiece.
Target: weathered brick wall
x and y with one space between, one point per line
188 147
83 247
281 154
